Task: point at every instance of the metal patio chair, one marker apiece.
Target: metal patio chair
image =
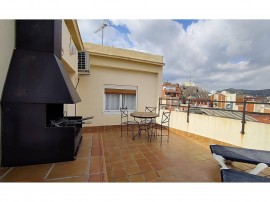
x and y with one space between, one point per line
147 124
151 109
125 122
163 126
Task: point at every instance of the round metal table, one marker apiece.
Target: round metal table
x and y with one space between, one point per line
148 118
144 115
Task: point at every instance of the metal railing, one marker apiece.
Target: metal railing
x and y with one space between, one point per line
227 109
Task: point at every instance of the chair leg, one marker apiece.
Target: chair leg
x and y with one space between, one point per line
168 134
161 137
150 133
127 129
132 129
121 130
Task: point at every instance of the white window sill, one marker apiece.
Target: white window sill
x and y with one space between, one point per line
116 112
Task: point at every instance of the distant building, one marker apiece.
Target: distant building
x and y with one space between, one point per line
182 93
218 97
171 90
233 101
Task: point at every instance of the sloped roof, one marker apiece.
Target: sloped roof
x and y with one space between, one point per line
223 113
194 92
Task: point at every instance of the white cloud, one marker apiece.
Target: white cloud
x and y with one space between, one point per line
110 35
216 54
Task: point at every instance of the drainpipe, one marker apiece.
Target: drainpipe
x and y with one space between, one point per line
76 89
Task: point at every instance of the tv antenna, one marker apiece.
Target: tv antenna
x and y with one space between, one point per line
102 27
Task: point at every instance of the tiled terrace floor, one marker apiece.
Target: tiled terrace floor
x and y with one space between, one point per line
105 156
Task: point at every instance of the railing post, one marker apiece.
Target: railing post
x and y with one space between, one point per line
188 110
159 105
244 118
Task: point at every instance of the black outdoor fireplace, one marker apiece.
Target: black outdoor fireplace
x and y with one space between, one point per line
36 88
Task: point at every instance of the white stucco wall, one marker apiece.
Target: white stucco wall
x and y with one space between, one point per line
257 135
7 45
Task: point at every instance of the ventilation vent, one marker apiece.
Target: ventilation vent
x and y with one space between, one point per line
83 62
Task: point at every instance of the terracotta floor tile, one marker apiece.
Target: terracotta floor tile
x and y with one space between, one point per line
70 168
83 178
97 165
144 150
158 180
109 176
199 177
138 156
132 146
151 175
156 166
122 179
188 167
96 151
169 179
127 151
184 178
117 165
116 159
164 173
175 170
133 170
127 157
135 151
84 152
161 157
34 173
141 161
137 178
152 159
100 177
87 136
129 163
168 163
200 165
3 171
145 168
148 154
86 142
119 172
114 155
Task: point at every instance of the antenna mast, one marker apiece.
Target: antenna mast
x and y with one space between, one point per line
102 27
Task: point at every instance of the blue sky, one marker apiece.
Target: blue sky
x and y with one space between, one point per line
215 54
186 23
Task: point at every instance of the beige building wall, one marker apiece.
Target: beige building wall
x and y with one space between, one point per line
7 45
223 129
110 66
69 51
70 61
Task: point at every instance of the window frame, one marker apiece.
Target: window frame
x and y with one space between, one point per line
119 87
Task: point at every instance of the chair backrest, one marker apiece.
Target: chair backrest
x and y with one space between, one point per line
150 109
124 113
166 118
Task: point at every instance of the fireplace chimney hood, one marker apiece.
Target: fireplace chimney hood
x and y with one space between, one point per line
35 91
36 73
